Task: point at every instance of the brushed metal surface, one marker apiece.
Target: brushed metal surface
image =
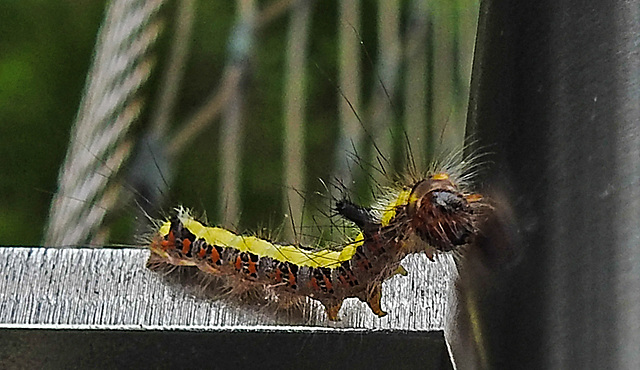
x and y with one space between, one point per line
86 288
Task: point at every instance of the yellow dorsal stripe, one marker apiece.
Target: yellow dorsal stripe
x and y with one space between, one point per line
389 210
263 248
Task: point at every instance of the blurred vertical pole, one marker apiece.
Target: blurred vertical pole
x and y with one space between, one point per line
231 136
174 70
294 102
387 80
349 71
555 97
415 88
447 115
465 29
150 172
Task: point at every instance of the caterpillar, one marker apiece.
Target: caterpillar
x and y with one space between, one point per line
432 215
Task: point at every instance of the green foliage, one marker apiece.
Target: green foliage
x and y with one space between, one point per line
47 49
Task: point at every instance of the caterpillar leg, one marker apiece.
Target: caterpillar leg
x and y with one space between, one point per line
401 271
430 252
374 298
332 309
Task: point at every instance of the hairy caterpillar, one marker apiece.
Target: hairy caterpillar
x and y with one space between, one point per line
433 214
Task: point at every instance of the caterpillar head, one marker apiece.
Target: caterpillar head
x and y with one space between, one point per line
441 214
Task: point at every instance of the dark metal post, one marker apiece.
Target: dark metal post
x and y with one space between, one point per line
555 99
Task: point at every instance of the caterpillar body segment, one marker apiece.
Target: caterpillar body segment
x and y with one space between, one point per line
328 276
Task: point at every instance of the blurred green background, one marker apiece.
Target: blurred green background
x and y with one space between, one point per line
47 49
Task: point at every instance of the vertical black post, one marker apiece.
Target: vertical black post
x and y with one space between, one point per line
555 100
